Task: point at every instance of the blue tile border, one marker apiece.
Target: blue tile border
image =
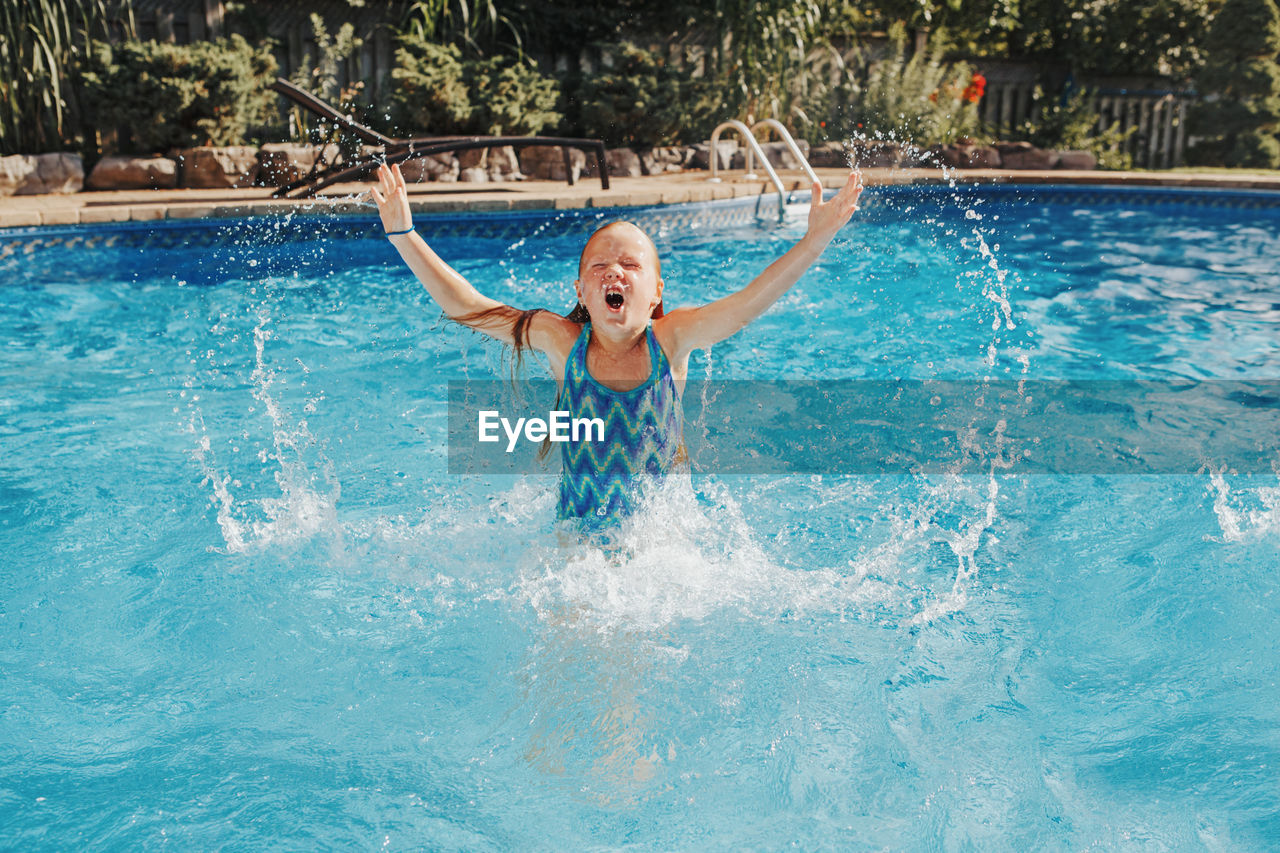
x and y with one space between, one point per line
515 225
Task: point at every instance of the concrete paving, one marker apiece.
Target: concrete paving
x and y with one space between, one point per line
144 205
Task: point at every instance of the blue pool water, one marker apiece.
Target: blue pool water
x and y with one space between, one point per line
244 604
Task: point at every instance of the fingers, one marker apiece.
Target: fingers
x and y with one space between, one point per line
854 183
849 193
817 192
390 182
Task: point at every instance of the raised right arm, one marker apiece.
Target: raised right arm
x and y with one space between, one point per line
547 332
453 293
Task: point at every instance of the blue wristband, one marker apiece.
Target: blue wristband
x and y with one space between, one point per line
398 233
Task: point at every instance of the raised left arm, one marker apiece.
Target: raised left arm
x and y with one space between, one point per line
698 328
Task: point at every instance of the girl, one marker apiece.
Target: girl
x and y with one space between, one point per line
617 356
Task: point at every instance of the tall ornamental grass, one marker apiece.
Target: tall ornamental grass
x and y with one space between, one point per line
43 45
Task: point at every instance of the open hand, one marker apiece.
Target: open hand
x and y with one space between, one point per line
826 218
392 199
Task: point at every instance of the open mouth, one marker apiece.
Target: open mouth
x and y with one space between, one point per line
614 298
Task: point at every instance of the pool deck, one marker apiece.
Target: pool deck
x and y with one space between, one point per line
145 205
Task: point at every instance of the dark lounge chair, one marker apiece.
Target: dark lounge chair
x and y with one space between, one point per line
400 150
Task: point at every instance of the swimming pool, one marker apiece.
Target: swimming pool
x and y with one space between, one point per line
245 604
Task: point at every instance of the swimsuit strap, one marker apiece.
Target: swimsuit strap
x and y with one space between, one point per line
576 365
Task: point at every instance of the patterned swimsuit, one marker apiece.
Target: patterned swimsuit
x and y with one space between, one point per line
643 437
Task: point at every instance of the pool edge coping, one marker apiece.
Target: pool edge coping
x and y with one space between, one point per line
97 208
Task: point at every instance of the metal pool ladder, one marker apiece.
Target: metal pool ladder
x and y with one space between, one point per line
754 150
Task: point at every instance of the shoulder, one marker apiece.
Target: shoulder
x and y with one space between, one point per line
671 330
553 334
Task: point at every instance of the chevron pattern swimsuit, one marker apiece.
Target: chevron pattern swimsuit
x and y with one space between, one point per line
643 436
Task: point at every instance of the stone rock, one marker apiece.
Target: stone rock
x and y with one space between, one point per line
623 163
671 158
434 167
474 175
501 164
967 156
282 163
60 173
1082 160
1027 158
121 172
701 158
546 163
1012 147
912 157
504 164
985 157
41 174
15 171
218 168
780 154
777 153
945 155
874 154
829 155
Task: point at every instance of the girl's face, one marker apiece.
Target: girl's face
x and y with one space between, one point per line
618 278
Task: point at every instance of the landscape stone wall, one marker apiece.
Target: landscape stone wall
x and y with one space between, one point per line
278 164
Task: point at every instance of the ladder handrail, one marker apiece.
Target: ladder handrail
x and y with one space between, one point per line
790 142
752 145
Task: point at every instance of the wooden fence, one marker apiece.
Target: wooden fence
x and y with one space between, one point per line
1159 115
288 23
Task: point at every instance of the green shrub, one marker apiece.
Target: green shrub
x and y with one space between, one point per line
42 50
510 97
180 96
430 93
642 102
1068 122
819 96
438 92
1239 117
921 100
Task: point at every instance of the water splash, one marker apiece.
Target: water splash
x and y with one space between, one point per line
685 556
1245 514
308 488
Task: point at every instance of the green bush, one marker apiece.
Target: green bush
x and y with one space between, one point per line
1068 122
922 100
180 96
510 97
1239 117
438 92
642 102
430 93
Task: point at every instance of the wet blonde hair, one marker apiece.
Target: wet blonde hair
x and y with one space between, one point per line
520 319
578 313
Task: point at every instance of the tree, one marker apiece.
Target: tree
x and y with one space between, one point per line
1240 113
